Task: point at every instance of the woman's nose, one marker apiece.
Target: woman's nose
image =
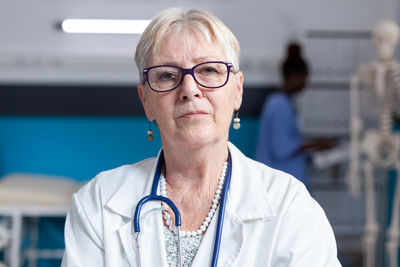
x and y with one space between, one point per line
189 88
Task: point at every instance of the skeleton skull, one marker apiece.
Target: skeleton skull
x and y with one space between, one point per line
386 35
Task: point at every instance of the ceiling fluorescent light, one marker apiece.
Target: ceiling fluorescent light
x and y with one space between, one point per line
109 26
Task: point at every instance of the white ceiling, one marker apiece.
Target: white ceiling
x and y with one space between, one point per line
32 49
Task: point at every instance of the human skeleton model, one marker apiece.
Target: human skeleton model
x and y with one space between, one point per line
377 147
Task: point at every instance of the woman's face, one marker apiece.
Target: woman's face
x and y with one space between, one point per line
191 115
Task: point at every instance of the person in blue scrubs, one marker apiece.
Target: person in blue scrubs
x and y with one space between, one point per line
280 142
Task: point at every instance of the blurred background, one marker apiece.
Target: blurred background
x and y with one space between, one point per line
69 107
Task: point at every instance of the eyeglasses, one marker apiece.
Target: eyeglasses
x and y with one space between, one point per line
211 75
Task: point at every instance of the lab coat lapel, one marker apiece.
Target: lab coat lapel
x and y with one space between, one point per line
231 242
246 202
151 237
127 242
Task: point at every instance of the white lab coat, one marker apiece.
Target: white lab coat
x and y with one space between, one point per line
270 220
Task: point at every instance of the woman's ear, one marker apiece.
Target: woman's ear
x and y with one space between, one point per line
143 98
239 89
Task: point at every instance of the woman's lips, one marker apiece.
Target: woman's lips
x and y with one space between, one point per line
193 114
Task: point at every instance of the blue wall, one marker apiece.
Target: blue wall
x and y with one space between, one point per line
80 147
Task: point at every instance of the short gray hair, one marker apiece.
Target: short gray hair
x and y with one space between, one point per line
173 19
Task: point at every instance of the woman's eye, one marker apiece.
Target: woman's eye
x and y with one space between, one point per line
208 70
166 76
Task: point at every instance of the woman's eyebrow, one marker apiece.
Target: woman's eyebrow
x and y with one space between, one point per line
205 58
196 60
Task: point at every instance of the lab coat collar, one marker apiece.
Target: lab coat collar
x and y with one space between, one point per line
248 201
137 185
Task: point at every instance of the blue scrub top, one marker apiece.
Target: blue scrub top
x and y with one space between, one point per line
280 139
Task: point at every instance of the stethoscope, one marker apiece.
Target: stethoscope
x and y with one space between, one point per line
153 196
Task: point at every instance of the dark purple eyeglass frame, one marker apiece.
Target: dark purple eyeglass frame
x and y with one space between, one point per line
187 71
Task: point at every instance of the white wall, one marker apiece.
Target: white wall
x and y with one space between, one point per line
32 49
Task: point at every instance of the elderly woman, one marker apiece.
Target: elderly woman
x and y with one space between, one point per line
191 86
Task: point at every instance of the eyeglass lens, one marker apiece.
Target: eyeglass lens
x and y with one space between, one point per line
209 75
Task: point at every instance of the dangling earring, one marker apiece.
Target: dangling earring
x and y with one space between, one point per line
150 136
236 120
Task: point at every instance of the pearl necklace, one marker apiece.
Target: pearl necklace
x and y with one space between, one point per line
207 220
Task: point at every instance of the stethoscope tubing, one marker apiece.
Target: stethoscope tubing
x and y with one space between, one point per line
222 205
136 224
154 197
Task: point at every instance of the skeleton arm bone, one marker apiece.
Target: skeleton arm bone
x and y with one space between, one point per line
355 129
